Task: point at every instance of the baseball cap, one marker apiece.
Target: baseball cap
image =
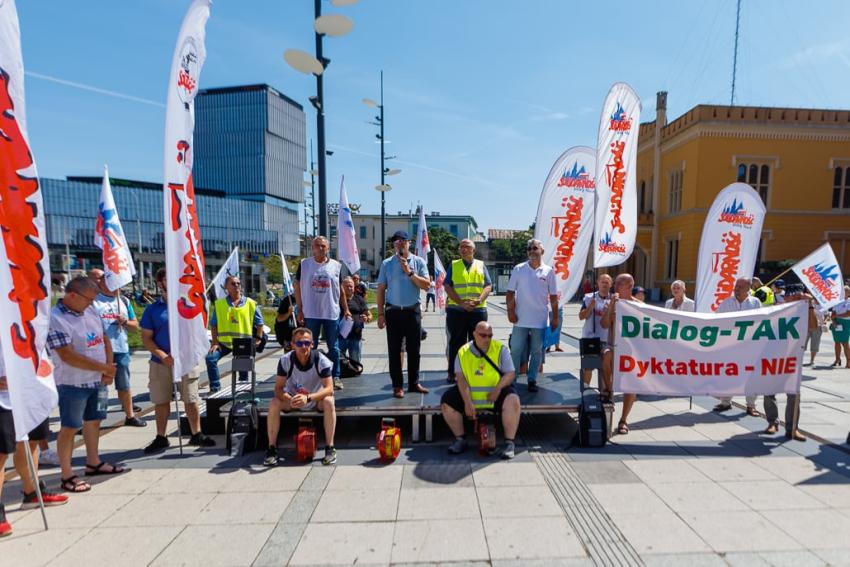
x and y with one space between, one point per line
779 283
400 235
638 289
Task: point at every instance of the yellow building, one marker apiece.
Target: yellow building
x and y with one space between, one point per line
797 159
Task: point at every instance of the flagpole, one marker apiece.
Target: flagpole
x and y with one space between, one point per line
779 276
34 474
177 411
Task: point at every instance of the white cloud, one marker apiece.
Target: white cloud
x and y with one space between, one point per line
817 53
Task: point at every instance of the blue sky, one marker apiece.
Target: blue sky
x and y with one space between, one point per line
481 96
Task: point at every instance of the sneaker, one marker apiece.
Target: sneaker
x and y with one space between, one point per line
136 408
532 387
330 456
201 440
337 383
458 446
135 422
271 457
48 457
159 443
721 407
509 452
5 527
30 500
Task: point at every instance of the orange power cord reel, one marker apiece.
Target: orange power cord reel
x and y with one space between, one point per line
389 440
305 440
486 429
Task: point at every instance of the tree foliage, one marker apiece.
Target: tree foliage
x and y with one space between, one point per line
512 250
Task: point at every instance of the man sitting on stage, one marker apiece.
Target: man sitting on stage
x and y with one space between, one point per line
303 383
485 374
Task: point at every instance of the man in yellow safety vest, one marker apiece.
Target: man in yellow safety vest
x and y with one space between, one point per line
485 375
467 285
235 316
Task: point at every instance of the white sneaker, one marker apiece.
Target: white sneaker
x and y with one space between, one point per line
48 457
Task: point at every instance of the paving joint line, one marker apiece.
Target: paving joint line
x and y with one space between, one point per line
603 541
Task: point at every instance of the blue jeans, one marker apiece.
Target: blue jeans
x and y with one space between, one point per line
77 405
212 367
523 340
352 347
330 327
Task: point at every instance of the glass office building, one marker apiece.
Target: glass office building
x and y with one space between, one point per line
249 165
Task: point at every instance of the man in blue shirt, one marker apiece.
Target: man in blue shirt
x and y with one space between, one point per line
401 279
155 338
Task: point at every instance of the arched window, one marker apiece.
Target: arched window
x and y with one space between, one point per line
758 176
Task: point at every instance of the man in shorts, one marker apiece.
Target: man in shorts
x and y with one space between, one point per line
155 338
8 446
82 357
485 373
304 383
593 307
623 286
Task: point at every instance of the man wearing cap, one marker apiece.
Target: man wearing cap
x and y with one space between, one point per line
401 279
778 288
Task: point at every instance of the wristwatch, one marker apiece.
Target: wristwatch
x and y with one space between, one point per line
410 275
308 398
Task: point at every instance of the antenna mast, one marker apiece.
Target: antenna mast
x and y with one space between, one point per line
735 56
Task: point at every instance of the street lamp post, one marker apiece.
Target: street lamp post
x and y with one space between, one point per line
334 25
383 187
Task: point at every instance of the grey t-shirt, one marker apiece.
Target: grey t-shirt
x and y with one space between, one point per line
319 288
505 361
305 379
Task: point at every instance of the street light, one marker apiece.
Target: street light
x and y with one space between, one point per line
334 25
383 187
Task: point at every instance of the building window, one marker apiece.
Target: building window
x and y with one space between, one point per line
675 202
841 188
671 260
758 176
453 229
362 232
362 255
642 195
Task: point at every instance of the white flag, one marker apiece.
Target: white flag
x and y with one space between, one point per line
423 245
439 280
118 268
24 264
184 258
822 275
288 288
346 241
729 244
564 222
616 154
230 268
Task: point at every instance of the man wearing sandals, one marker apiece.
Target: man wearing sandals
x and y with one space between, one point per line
8 446
82 357
623 285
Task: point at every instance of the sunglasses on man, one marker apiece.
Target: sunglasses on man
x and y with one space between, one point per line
303 344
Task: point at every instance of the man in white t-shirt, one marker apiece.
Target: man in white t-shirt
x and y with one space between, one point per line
740 300
303 384
319 300
593 307
532 292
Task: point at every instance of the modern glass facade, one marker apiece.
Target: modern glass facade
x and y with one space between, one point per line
250 142
249 164
71 207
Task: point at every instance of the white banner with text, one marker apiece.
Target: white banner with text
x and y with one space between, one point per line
666 352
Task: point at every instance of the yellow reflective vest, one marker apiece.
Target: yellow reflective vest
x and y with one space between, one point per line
480 374
769 298
468 283
234 322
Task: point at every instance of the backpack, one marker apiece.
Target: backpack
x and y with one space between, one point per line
314 362
349 368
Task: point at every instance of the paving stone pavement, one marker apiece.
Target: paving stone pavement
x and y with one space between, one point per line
685 487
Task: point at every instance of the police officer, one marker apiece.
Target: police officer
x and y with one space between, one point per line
467 285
